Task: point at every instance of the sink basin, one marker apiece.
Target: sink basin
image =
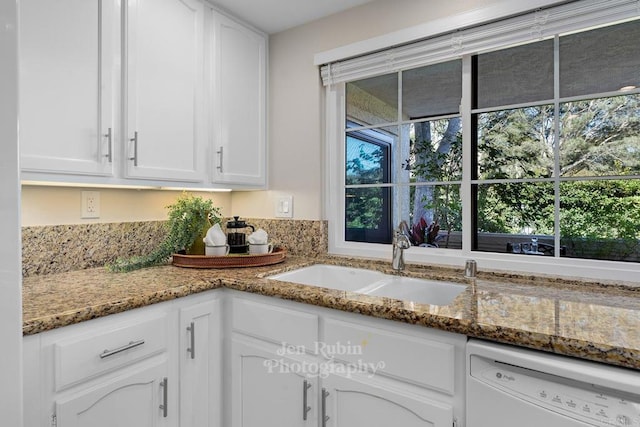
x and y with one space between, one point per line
417 290
374 283
332 277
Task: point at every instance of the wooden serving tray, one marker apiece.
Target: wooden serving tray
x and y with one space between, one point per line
229 261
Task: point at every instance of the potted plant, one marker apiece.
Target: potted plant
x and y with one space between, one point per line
189 219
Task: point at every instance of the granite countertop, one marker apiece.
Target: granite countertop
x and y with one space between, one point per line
594 321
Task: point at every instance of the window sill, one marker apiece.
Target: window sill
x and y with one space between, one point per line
503 262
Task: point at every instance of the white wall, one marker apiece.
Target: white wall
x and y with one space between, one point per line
10 251
296 96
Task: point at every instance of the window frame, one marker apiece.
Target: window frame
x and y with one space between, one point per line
335 121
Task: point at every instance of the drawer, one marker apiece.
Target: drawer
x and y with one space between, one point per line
278 324
422 361
95 352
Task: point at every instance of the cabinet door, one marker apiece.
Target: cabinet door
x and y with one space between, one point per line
351 402
136 399
239 99
200 365
269 389
67 85
164 66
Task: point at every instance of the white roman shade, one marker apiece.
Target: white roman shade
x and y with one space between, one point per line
531 26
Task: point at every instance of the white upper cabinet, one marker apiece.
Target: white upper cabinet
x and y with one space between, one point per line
141 92
68 85
164 66
238 123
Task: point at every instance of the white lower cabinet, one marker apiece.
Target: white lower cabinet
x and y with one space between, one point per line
356 401
137 398
200 364
228 358
270 389
141 368
357 371
118 370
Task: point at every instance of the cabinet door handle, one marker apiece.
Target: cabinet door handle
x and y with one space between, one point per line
135 148
132 344
109 136
305 408
165 396
325 417
220 154
192 332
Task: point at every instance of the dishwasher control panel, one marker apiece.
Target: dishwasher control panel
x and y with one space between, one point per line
580 401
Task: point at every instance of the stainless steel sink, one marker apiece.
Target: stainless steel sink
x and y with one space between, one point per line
374 283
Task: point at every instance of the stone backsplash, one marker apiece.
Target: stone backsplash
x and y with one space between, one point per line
61 248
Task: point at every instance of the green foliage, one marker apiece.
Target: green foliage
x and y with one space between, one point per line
364 205
435 165
605 209
516 144
516 208
598 137
436 151
446 204
601 219
187 218
367 167
598 219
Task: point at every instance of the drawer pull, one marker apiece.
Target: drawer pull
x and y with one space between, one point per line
132 344
192 333
135 148
109 136
220 153
165 396
325 417
305 405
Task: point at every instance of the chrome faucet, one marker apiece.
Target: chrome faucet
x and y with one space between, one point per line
400 243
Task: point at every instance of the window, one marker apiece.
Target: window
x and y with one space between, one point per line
403 159
531 147
558 174
513 143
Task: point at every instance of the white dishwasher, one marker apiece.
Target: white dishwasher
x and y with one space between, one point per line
515 387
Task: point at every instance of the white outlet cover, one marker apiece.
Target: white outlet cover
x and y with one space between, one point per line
284 207
90 204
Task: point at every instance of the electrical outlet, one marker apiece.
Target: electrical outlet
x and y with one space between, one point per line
284 207
90 204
